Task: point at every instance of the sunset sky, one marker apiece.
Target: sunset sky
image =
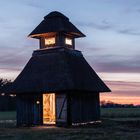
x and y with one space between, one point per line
111 45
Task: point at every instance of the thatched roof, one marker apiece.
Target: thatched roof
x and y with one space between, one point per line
58 69
55 22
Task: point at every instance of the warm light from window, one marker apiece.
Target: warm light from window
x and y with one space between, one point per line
68 41
50 41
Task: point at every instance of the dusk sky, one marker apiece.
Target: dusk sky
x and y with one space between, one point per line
111 45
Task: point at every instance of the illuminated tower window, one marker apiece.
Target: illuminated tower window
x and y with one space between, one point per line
50 41
68 41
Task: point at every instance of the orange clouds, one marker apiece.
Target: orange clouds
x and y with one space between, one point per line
124 91
121 99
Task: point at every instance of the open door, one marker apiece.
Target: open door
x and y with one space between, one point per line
49 108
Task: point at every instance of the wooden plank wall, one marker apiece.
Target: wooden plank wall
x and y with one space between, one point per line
85 107
28 111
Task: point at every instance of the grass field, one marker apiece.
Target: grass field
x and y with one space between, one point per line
120 112
7 115
117 124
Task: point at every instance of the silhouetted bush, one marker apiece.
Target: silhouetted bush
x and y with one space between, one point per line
110 104
7 101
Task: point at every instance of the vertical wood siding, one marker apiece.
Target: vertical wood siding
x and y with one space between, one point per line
85 108
28 111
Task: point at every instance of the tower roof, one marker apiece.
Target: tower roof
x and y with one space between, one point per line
53 23
71 73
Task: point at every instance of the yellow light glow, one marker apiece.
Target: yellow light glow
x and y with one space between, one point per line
2 94
49 108
68 41
12 95
50 41
37 102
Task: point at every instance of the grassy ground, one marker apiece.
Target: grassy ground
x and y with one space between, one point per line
114 126
8 115
120 112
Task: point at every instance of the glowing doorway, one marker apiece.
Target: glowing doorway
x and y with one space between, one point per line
49 109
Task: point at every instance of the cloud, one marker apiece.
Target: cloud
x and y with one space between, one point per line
34 4
129 32
123 92
87 48
11 57
107 63
106 25
9 73
103 25
115 66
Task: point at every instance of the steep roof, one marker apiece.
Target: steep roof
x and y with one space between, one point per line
57 70
53 23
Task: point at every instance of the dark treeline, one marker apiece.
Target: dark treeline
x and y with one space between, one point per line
4 82
110 104
7 101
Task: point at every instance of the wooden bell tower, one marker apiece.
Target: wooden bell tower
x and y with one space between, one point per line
57 85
